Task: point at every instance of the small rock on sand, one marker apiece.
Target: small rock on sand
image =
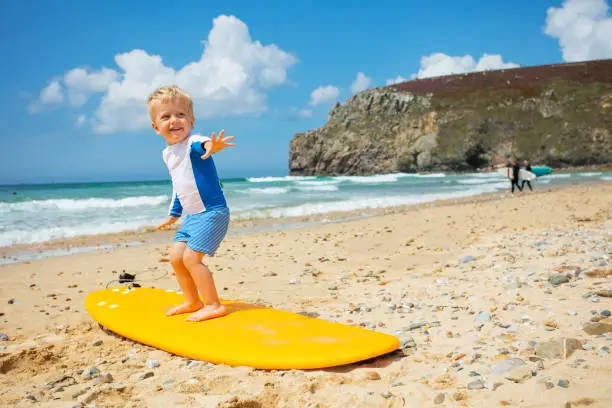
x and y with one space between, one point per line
506 365
559 279
560 348
519 375
145 375
467 259
598 328
564 383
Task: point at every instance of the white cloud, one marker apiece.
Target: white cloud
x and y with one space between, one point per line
583 28
324 94
52 94
230 78
491 62
360 83
81 83
80 79
397 80
305 113
439 64
81 120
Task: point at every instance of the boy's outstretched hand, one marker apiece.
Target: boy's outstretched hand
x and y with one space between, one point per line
169 221
216 143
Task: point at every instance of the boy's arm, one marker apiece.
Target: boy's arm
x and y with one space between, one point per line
213 145
167 222
198 146
174 212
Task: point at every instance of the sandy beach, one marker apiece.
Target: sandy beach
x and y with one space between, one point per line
498 300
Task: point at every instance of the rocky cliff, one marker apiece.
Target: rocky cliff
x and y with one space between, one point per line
559 115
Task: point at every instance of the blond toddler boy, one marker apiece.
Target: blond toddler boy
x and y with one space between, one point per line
196 191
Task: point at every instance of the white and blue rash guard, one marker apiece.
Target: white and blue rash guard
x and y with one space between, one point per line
195 184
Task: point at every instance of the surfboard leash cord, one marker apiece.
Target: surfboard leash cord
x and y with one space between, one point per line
133 280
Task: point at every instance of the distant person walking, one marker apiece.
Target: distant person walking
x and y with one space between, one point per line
513 173
528 168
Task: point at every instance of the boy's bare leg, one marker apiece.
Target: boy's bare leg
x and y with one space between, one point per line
183 277
205 285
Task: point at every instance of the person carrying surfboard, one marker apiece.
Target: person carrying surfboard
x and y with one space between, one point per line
515 168
527 168
196 191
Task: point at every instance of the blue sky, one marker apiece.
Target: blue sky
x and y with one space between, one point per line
76 74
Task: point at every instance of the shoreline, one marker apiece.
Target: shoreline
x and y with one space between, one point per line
19 253
591 167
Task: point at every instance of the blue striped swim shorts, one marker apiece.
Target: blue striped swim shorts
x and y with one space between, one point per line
203 232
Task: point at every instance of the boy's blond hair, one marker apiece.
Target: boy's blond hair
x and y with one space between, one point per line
166 94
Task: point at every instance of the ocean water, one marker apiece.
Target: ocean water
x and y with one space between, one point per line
39 213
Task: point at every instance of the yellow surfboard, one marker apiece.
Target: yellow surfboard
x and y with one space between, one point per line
249 335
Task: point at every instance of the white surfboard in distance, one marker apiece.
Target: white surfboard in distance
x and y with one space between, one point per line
523 174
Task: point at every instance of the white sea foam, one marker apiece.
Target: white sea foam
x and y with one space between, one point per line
360 204
489 174
32 256
557 176
591 174
275 179
606 178
318 188
269 190
381 178
48 234
417 175
317 182
482 180
495 186
66 204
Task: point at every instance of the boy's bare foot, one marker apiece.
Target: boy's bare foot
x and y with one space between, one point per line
184 308
208 312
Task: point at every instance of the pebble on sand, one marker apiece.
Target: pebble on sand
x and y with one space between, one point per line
476 385
559 279
560 348
91 372
604 293
386 394
483 317
104 379
598 328
506 365
467 259
520 374
145 375
151 364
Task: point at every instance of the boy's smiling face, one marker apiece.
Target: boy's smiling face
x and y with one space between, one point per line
172 120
